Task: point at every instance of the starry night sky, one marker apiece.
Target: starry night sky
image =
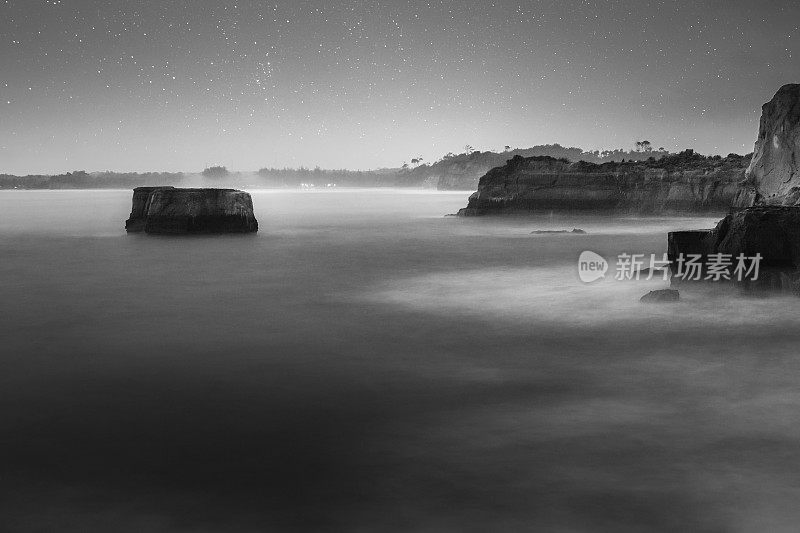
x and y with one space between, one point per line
179 85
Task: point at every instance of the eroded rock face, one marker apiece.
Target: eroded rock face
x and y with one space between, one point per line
773 176
543 184
694 242
141 201
175 211
772 231
770 226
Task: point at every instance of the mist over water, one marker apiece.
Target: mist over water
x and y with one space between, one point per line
365 364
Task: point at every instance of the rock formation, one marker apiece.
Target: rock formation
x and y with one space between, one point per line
773 232
770 226
681 183
172 210
773 176
141 200
661 296
770 232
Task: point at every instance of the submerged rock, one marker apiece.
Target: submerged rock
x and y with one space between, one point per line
175 211
547 231
773 176
660 296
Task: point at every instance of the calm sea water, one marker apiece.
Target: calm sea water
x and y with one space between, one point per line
365 364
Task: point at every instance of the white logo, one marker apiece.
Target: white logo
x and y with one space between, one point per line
591 266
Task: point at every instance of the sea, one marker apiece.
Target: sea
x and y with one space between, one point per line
365 363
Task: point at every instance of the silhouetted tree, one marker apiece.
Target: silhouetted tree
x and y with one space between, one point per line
215 172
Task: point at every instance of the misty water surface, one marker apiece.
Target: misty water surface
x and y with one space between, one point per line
365 364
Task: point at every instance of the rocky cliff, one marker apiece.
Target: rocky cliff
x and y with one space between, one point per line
769 225
772 233
679 183
463 171
774 173
172 210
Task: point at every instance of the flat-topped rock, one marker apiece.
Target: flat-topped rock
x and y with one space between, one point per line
173 210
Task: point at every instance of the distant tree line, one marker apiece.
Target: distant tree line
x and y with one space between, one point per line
688 160
573 153
463 168
216 172
95 180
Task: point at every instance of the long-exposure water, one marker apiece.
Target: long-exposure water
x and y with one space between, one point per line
364 363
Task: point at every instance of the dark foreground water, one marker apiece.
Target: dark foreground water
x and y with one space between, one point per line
364 364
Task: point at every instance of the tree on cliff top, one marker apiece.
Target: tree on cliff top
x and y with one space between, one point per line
216 172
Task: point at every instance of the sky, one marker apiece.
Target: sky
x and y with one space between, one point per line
167 85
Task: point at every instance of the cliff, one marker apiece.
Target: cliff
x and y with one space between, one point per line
774 173
463 171
175 211
770 226
679 183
